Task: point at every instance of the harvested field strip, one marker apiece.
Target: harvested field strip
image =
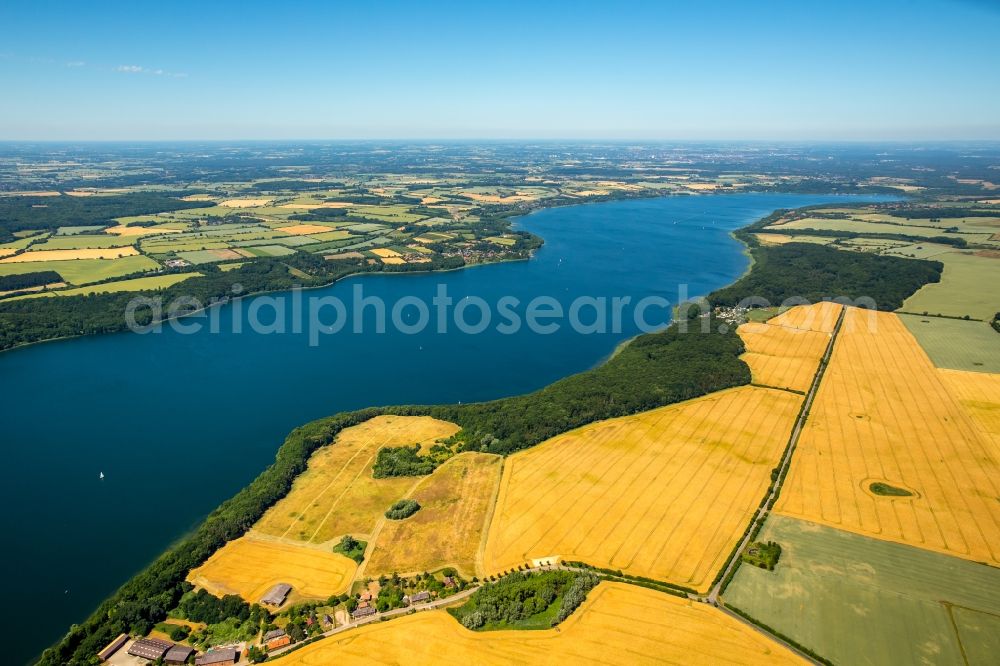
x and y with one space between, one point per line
664 494
781 356
892 600
448 528
978 393
816 317
616 624
70 255
251 565
883 414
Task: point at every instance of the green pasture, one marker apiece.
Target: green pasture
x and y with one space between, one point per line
968 286
955 343
81 241
85 271
857 600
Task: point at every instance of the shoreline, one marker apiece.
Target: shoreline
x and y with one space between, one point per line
513 219
182 539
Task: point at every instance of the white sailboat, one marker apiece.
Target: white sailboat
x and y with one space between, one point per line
101 476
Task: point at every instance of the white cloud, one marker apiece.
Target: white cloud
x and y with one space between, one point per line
76 63
138 69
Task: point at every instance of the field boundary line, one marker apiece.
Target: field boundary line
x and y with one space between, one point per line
768 501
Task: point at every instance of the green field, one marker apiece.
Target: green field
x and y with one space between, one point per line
964 288
956 344
856 600
79 241
863 227
85 271
136 284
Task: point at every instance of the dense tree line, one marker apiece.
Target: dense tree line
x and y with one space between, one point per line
28 280
201 606
20 213
816 272
654 370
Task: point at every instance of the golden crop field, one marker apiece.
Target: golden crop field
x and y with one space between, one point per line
455 502
385 252
664 494
245 203
617 623
68 255
820 316
302 229
883 414
782 356
251 565
979 395
337 494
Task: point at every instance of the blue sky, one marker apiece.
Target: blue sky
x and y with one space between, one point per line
927 69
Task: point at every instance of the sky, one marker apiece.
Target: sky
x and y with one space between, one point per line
770 70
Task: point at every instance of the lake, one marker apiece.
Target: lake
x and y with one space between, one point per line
179 422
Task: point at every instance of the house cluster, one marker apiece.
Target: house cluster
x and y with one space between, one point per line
165 652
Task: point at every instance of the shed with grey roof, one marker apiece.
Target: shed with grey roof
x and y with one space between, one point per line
222 657
277 594
149 648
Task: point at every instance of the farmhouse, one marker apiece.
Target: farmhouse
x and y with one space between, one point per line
223 657
362 612
276 595
271 635
149 648
178 654
419 597
327 619
113 647
279 642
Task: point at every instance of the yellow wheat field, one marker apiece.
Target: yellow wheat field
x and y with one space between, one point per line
979 395
69 255
303 229
385 252
245 203
337 494
820 316
618 623
250 566
882 414
664 494
136 230
782 356
448 528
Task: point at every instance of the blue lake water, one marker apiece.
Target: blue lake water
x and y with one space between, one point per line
179 422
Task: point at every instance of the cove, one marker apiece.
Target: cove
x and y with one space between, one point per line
178 423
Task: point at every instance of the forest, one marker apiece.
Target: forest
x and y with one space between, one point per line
22 213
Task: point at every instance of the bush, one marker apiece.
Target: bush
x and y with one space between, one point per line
402 509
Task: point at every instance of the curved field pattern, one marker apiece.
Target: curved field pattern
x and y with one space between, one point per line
664 494
448 528
337 494
616 624
250 566
882 413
